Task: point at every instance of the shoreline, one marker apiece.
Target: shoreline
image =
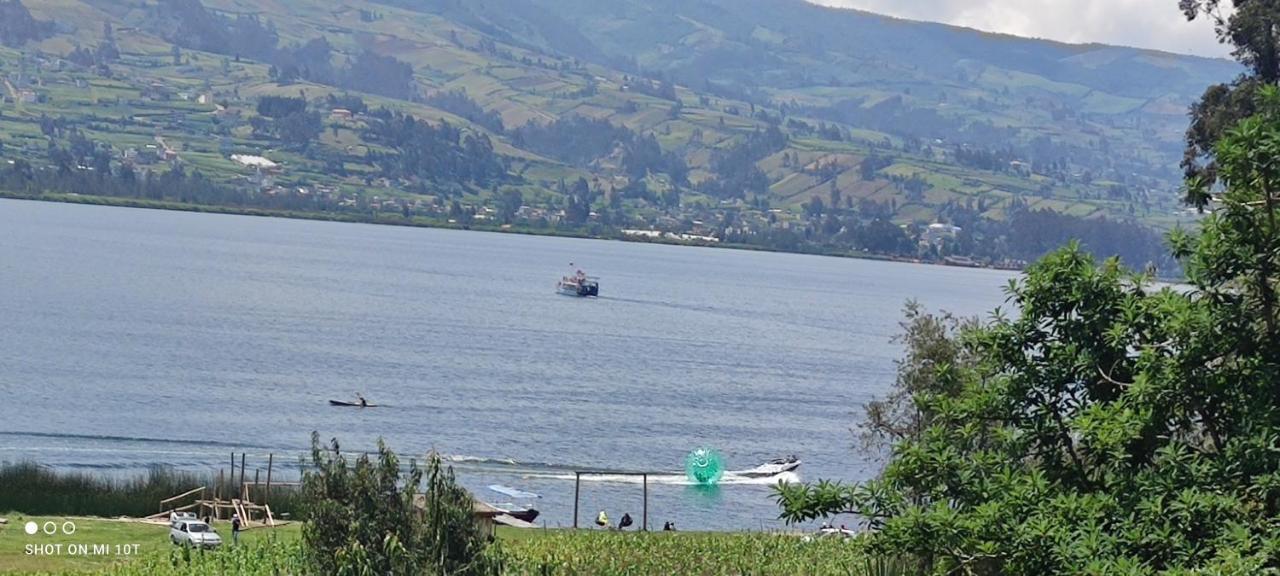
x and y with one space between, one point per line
395 220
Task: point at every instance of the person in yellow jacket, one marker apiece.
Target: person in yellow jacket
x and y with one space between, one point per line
602 519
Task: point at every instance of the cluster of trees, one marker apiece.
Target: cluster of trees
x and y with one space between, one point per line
1024 235
349 102
431 152
311 61
579 141
288 120
872 164
993 160
577 201
91 173
663 88
573 139
382 75
187 23
822 130
736 173
1111 426
102 55
459 103
1029 234
18 26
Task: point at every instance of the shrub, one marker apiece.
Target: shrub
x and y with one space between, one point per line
365 519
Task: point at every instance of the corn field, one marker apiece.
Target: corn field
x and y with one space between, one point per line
613 553
573 554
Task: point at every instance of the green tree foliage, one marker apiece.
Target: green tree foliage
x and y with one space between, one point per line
457 545
1249 26
276 107
381 75
17 26
368 518
509 201
300 130
290 120
1111 427
579 141
932 344
737 175
349 102
458 102
432 152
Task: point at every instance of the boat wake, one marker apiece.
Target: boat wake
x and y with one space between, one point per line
767 474
729 478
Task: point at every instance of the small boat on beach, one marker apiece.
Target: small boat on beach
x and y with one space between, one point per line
525 514
579 285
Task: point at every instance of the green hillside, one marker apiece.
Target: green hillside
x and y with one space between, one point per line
772 123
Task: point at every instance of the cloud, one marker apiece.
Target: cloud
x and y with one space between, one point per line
1154 24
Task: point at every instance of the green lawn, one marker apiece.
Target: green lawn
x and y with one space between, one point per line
136 548
124 540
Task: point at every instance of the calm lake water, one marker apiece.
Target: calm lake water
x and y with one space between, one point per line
131 338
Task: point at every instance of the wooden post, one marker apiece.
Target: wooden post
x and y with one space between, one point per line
217 495
266 497
255 483
241 473
645 522
577 484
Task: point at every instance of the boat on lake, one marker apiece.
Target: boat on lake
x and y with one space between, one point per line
771 468
356 404
579 284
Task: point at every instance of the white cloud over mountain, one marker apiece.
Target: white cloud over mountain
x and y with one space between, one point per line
1154 24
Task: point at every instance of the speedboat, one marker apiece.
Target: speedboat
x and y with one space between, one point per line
579 285
771 468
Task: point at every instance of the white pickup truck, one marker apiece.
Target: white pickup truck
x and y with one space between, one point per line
187 530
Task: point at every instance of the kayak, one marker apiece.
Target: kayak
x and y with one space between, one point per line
351 404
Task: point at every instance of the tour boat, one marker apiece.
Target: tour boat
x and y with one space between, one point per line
579 285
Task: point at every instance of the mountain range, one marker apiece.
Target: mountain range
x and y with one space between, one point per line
744 121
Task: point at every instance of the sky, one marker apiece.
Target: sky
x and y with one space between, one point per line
1154 24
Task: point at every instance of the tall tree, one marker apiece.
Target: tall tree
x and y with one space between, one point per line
1252 28
1111 427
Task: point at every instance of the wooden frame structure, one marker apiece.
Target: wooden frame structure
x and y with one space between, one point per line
251 513
577 489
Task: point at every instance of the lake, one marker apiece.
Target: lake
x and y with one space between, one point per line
132 338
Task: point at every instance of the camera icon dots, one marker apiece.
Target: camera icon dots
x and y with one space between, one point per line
50 528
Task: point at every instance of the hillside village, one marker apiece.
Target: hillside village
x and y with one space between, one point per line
457 128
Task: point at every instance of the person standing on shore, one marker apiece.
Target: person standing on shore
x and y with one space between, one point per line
235 529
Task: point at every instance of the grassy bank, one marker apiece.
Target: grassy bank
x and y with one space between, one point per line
528 552
120 537
32 489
